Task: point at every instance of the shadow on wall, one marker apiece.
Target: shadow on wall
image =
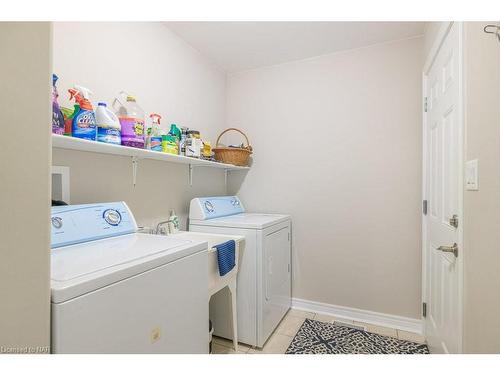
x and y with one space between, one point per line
235 181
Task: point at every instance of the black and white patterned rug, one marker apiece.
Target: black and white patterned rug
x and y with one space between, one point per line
316 337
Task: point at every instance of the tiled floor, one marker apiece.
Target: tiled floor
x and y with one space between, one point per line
283 335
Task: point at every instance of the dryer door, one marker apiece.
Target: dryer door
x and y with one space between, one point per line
277 277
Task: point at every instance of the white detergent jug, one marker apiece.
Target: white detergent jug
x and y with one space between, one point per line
108 125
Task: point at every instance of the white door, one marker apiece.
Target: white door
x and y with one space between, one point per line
442 190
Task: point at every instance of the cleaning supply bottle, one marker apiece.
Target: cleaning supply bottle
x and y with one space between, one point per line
175 131
173 222
193 144
170 142
182 141
108 125
57 116
68 114
83 125
132 120
147 137
155 138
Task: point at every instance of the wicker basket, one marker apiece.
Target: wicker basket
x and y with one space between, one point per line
233 155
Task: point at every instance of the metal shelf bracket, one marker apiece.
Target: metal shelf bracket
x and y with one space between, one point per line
135 164
190 175
191 172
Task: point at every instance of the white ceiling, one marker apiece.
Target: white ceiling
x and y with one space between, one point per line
236 46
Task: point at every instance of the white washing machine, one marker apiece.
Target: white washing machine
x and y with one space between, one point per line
264 277
118 291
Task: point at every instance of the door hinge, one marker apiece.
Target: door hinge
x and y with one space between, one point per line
424 206
425 104
424 309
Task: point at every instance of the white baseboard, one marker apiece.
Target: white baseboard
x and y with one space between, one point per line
365 316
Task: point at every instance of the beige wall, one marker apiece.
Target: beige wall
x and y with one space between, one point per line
168 77
482 237
337 144
25 76
430 34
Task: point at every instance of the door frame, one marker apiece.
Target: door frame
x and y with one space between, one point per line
430 58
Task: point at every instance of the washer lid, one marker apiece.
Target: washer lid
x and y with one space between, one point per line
79 269
244 220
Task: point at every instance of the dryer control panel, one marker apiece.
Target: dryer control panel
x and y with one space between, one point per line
88 222
212 207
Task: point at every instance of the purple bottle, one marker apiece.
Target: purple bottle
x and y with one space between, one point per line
57 116
132 122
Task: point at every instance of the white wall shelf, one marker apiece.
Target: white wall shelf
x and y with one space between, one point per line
71 143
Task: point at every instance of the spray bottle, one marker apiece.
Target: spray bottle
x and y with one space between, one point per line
84 123
155 132
57 116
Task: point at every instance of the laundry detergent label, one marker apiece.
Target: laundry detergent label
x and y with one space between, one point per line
108 135
84 125
169 145
156 144
132 131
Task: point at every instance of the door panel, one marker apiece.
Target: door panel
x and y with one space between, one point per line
277 291
443 132
277 255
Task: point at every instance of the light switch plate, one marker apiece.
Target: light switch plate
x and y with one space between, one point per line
472 175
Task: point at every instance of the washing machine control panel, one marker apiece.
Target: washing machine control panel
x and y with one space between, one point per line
88 222
112 216
213 207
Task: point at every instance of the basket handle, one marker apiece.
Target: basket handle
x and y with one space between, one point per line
228 129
